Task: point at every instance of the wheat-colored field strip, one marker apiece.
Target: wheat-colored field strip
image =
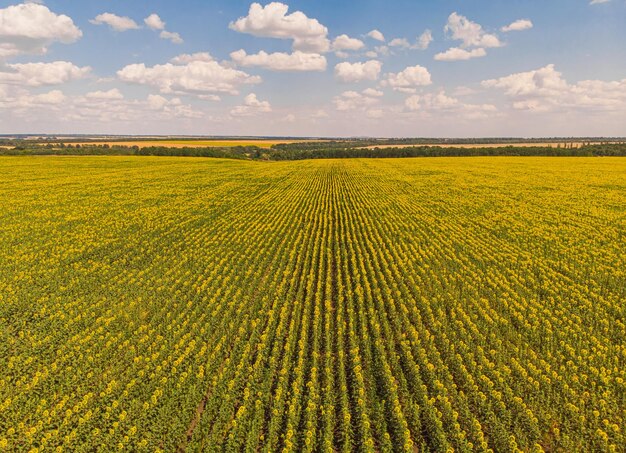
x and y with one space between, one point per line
188 143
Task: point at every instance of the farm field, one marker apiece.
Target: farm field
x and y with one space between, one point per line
439 304
485 145
261 143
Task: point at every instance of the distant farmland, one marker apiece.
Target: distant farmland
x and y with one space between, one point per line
188 143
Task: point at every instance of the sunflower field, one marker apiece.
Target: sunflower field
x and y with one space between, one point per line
168 304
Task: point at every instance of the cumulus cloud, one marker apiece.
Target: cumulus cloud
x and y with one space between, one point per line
38 74
353 100
113 93
434 103
470 33
272 21
355 72
195 77
172 36
377 35
408 79
154 22
424 40
399 42
188 58
30 28
518 25
344 42
251 106
279 61
117 23
456 54
545 89
96 107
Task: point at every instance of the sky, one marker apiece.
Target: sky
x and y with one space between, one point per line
393 68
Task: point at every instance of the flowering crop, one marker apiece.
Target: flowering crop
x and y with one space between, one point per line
444 304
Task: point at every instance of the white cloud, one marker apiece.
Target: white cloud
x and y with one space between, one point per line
113 93
440 103
399 42
279 61
518 25
117 23
93 108
470 33
408 79
195 77
545 89
272 21
371 54
156 101
355 72
353 100
421 43
172 36
344 42
29 28
375 114
424 40
37 74
188 58
598 2
377 35
382 50
51 97
251 106
456 54
154 22
372 92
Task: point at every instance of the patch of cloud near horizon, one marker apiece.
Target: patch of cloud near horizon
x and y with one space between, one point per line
29 28
117 23
272 21
473 39
435 103
38 74
280 61
353 100
251 106
356 72
96 106
195 77
408 79
518 25
545 90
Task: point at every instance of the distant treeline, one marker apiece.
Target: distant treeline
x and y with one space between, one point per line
613 149
319 150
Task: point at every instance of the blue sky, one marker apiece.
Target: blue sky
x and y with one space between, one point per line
279 69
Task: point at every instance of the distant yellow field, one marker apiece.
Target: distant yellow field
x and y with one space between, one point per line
485 145
191 143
